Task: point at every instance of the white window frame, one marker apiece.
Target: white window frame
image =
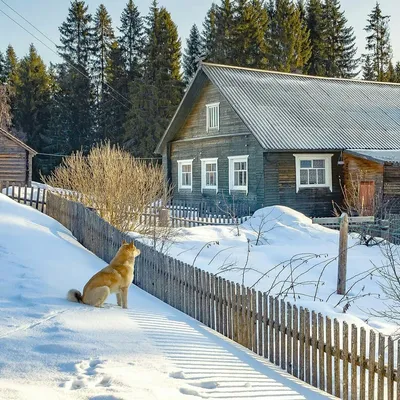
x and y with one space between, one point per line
232 186
328 170
181 163
208 106
204 162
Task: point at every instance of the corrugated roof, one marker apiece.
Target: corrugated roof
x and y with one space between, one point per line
297 112
17 141
380 156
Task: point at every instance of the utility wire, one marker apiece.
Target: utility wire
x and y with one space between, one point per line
52 50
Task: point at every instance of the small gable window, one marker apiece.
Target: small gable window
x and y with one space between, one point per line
185 174
313 170
212 117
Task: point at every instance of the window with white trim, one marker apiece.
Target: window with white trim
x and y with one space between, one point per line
313 170
209 174
212 116
238 173
185 174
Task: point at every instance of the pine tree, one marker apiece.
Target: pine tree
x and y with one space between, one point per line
289 40
340 48
32 101
11 67
209 34
131 39
3 75
316 25
192 53
378 42
249 45
76 89
368 68
155 98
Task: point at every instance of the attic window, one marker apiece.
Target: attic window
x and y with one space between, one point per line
212 116
313 170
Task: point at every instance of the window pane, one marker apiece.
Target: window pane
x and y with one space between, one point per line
321 176
305 163
186 168
236 178
236 166
312 176
210 179
303 177
319 163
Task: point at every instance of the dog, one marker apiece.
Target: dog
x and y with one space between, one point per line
115 278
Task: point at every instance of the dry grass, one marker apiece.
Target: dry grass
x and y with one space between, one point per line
110 180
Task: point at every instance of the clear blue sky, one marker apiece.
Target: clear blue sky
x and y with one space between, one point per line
47 15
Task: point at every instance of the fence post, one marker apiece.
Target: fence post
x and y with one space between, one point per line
342 259
163 217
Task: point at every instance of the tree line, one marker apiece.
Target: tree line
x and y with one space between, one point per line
124 84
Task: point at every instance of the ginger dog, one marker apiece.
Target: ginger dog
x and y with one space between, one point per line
115 278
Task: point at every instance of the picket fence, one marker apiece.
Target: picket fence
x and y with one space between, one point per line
32 196
346 361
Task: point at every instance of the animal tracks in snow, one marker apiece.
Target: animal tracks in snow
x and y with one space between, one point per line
89 375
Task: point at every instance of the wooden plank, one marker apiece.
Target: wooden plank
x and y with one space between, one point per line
314 349
301 345
381 366
260 322
354 353
336 339
328 352
289 365
398 370
283 335
37 199
307 341
217 305
230 295
208 300
271 329
249 322
321 351
363 353
276 324
236 314
243 330
254 321
224 308
371 365
213 301
295 341
345 361
266 325
390 369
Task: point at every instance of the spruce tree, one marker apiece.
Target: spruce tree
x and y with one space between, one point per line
289 40
225 31
131 39
368 68
155 98
249 44
3 75
397 72
209 34
192 53
378 42
340 49
390 73
316 26
76 88
11 67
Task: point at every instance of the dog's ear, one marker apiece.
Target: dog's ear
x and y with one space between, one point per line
123 241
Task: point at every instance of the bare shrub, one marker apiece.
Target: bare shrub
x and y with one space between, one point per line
119 187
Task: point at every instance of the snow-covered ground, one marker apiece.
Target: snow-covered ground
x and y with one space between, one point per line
53 349
290 252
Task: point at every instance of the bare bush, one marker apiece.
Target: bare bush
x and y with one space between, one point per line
115 184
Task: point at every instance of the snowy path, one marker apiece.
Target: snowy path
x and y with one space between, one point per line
53 349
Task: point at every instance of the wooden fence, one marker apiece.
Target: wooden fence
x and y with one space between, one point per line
32 196
347 361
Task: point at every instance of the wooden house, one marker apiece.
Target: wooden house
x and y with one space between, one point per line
263 138
15 160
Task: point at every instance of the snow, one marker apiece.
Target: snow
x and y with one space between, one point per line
290 250
54 349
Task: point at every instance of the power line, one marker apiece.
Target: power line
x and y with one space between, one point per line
52 50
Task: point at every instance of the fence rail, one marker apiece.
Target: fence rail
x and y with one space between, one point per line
347 361
32 196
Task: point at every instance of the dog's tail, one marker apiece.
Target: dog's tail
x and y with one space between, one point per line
75 296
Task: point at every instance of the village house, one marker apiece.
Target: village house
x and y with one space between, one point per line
261 138
15 160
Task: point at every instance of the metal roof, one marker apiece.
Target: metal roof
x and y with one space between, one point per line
380 156
298 112
17 141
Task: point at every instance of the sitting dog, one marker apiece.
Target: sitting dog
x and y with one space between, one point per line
115 278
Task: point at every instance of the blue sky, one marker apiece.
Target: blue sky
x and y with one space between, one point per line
47 15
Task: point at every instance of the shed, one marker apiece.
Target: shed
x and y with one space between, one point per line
15 160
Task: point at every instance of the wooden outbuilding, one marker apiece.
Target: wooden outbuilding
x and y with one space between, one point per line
15 160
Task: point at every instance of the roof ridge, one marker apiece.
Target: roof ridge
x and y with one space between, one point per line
359 81
17 141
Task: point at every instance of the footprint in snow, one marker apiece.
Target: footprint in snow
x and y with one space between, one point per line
192 392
